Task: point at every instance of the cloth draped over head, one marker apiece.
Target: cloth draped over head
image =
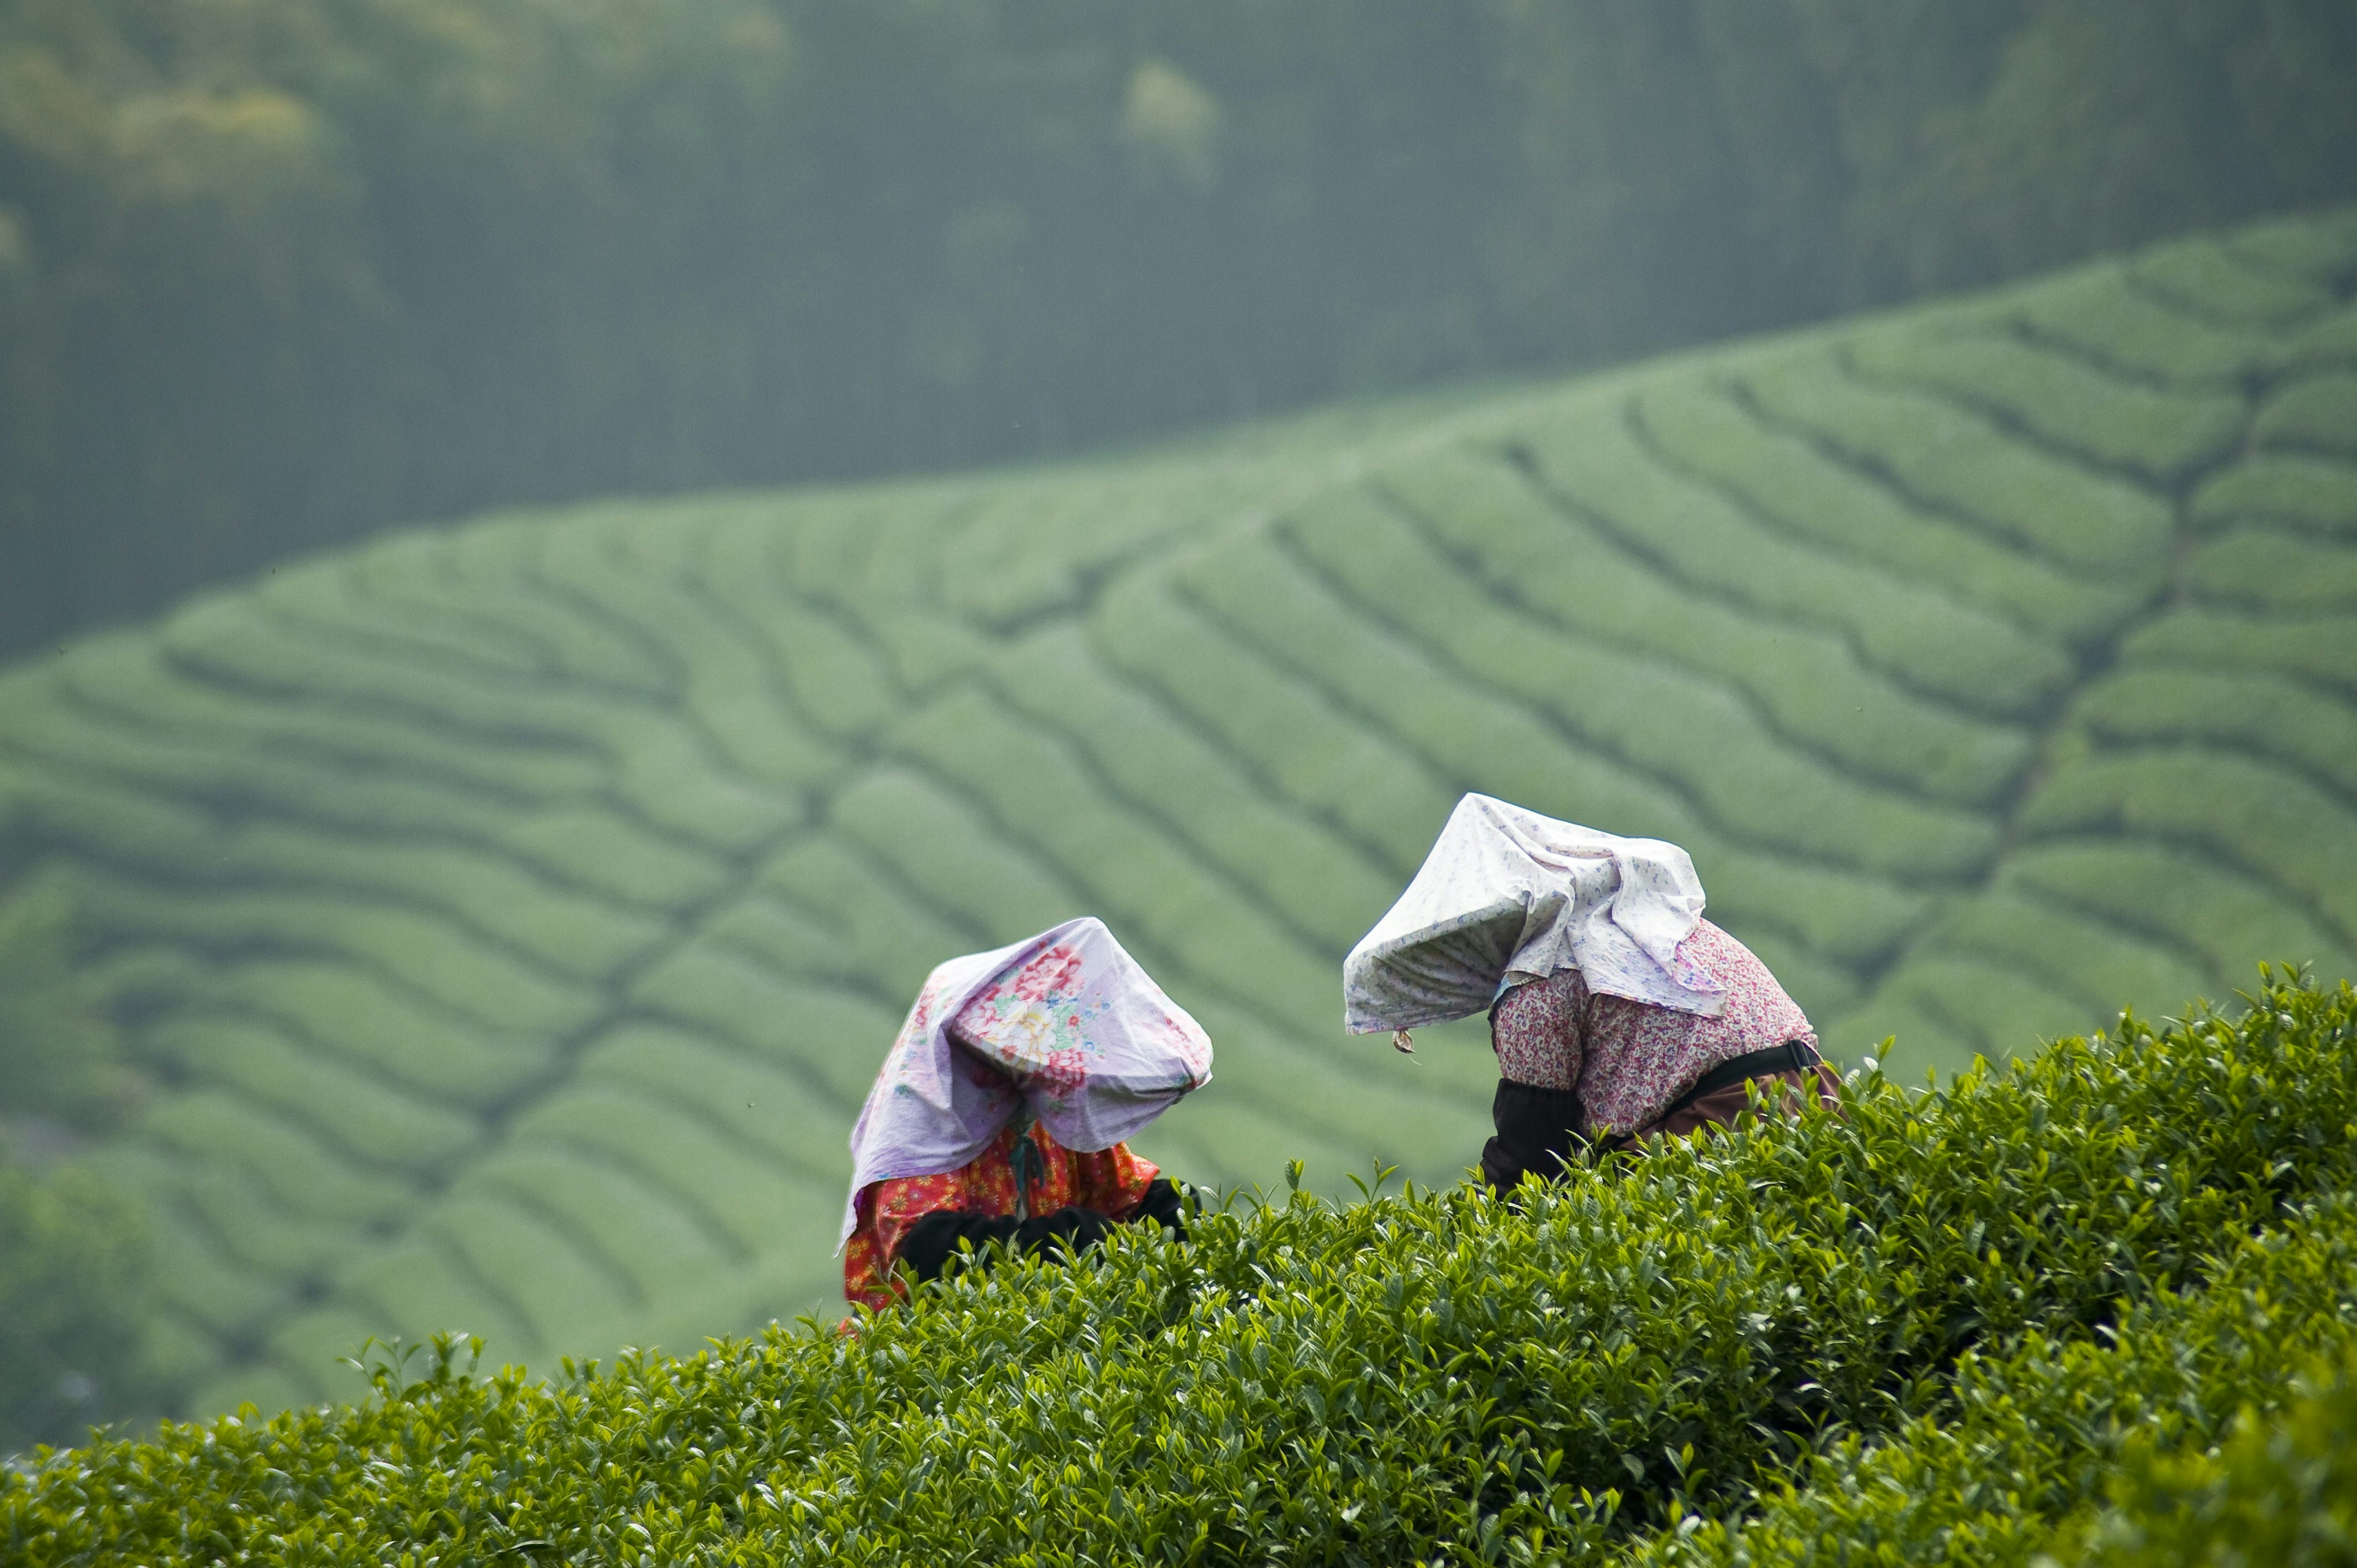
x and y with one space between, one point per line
1065 1023
1508 896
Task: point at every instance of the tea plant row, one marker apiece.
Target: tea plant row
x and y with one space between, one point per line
1929 1321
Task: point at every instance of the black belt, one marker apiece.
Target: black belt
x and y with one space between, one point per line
1792 1056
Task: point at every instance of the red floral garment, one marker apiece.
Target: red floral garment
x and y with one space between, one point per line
1111 1182
1631 1060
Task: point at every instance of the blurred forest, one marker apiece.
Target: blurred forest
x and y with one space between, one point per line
276 272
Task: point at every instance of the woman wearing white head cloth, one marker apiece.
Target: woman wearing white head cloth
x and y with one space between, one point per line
1619 1013
1000 1113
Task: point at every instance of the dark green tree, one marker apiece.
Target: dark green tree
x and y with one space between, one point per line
73 1302
74 1249
276 272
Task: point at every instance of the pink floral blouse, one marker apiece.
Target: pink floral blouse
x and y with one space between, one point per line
1631 1060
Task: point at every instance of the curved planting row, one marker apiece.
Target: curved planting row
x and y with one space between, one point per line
508 916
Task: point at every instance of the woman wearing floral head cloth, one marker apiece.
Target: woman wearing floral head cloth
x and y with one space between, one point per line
999 1115
1617 1013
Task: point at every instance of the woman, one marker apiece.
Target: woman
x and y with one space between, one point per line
1617 1013
1000 1113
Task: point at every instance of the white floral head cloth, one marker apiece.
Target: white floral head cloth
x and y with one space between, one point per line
1508 896
1065 1021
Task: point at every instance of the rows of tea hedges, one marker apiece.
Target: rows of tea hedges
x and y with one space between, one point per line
509 916
1923 1330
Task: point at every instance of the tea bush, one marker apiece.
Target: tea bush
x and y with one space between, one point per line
2318 413
1922 1326
2268 569
1430 669
2036 1435
2060 509
2283 1490
1710 431
1812 684
1943 639
2164 432
74 1294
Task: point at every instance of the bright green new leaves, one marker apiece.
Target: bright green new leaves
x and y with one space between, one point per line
1927 1320
2282 1490
509 919
2025 1438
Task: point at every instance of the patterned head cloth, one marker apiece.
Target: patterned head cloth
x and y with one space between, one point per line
1066 1021
1508 896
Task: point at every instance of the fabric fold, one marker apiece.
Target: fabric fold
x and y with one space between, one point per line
1507 896
1065 1021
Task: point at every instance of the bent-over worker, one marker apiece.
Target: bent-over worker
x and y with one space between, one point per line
1000 1112
1617 1013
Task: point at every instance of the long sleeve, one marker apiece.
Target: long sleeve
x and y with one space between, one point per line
1112 1184
1538 1133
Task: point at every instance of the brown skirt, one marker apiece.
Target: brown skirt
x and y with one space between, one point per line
1724 1107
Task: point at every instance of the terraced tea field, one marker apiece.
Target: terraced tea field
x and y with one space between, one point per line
513 913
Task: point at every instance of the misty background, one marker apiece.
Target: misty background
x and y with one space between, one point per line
274 273
336 919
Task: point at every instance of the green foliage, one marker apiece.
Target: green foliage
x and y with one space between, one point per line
2036 1435
2163 432
2183 900
2248 812
2318 411
276 272
1712 547
2281 1489
1748 783
2043 503
2270 569
1925 1321
2312 645
1794 486
74 1301
456 892
2262 712
2327 343
2292 489
60 1058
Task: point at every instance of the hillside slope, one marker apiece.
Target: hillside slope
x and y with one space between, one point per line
1924 1331
512 915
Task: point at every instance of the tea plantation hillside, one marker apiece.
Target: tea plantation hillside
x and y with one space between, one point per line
509 916
1927 1331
